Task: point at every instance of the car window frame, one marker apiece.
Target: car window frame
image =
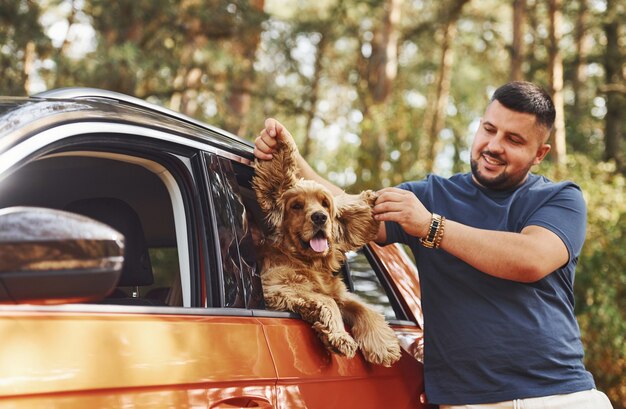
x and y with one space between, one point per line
174 157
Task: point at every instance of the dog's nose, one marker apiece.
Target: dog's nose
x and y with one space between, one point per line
319 218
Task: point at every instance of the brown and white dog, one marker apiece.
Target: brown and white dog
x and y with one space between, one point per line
309 233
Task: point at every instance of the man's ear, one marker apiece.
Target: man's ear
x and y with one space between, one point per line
541 153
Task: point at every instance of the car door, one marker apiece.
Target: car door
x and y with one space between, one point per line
157 342
308 375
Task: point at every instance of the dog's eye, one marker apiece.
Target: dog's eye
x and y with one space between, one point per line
297 206
325 203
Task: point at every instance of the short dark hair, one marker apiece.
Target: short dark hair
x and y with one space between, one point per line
526 97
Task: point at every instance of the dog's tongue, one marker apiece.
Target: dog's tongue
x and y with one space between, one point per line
319 244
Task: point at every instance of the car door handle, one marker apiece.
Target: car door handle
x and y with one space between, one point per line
242 402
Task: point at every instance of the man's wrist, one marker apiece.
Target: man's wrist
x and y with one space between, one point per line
434 236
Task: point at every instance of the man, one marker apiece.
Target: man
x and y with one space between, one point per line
496 249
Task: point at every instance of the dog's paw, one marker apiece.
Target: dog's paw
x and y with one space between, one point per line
343 344
384 357
338 342
381 347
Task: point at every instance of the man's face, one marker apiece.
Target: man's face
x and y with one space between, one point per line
506 145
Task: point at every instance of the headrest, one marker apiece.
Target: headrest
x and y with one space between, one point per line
137 270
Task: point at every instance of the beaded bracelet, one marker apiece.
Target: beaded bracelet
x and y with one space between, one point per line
435 232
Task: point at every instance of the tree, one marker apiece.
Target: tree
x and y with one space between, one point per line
613 61
555 73
578 121
582 44
322 44
245 43
22 41
381 71
517 46
435 120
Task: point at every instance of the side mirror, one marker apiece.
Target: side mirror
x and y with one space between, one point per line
53 257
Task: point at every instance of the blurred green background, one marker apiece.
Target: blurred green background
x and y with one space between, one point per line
375 92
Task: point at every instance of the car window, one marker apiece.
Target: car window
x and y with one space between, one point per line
125 192
237 217
247 225
367 285
225 235
166 270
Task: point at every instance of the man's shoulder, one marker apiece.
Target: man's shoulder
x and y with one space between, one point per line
541 184
550 201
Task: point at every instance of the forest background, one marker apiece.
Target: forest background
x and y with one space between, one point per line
375 91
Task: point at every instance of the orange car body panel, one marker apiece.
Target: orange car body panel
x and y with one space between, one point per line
310 376
405 278
108 359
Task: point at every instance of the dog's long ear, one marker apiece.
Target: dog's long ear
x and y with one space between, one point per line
273 178
356 225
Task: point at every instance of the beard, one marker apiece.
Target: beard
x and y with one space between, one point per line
504 180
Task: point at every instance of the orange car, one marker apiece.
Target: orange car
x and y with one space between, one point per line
128 273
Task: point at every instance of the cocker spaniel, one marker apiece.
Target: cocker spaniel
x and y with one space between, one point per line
309 233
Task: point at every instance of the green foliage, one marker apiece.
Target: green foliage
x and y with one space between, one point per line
22 40
600 289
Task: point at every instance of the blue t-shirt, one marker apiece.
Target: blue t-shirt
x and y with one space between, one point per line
489 339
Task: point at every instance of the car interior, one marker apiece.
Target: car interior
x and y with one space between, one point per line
123 192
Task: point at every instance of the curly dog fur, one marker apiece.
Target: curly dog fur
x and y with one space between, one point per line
309 233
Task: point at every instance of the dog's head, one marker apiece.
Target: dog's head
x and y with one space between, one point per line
303 217
314 225
309 219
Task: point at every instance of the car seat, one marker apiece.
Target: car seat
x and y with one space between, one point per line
137 268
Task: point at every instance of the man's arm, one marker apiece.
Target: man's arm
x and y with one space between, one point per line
527 256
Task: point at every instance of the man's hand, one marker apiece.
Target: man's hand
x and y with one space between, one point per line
403 207
265 143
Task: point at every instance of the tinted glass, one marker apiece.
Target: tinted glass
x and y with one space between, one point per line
225 235
243 206
367 285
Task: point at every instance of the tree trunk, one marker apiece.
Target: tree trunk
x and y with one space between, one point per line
583 46
555 71
29 59
381 72
517 47
444 81
435 118
244 78
613 132
532 22
383 66
317 74
61 57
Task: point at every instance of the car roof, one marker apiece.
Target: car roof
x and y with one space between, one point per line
22 117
